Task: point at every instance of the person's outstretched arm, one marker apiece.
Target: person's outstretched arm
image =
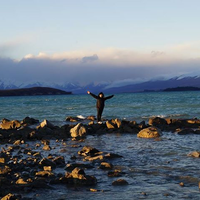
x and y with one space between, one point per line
93 95
109 97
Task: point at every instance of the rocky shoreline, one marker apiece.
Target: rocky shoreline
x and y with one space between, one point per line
24 168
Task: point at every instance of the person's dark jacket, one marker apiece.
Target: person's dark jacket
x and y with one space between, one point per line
100 100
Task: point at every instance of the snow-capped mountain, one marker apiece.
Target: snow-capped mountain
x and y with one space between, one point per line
156 85
127 86
69 87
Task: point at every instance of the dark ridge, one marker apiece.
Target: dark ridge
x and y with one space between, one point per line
33 91
189 88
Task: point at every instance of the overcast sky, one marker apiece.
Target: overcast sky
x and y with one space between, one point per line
98 40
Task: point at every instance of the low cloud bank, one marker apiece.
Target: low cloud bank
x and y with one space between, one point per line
110 65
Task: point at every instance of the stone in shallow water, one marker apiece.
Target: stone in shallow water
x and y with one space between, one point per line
150 132
88 151
120 182
195 154
106 165
46 148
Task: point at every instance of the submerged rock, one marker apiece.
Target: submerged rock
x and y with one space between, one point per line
120 182
151 132
115 173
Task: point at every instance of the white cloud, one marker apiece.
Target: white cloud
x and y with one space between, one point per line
187 50
87 59
109 64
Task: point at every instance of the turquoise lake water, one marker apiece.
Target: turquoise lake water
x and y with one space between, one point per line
135 106
153 168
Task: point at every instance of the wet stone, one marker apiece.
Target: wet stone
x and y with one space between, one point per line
120 182
150 132
60 161
44 174
79 165
115 173
47 162
87 151
195 154
106 165
11 196
78 131
46 148
78 177
21 181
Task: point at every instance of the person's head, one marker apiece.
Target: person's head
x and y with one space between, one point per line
101 95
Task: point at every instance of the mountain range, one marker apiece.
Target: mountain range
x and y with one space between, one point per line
76 88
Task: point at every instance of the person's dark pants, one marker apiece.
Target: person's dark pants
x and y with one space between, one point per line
99 113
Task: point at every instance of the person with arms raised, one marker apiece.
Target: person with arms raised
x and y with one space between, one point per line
100 103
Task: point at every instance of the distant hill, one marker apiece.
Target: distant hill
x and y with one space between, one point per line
33 91
157 85
110 87
182 89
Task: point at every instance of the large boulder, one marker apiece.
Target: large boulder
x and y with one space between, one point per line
150 132
78 131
